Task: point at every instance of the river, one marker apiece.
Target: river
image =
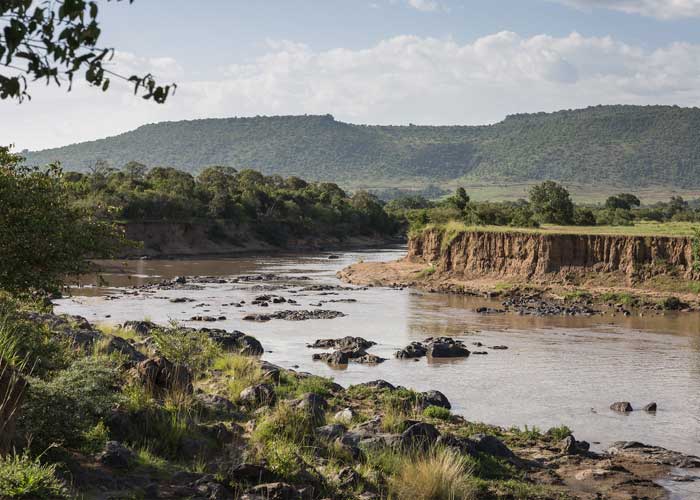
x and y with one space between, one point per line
556 370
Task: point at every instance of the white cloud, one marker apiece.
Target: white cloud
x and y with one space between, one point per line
660 9
399 80
424 5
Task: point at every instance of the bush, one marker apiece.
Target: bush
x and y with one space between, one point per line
441 474
64 409
437 412
287 423
183 346
24 477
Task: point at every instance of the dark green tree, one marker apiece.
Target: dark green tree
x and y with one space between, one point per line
551 203
43 238
55 42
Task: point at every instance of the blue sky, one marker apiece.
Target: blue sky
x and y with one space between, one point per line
376 61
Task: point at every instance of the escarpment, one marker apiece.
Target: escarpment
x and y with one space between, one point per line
539 256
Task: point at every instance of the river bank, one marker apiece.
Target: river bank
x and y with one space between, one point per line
648 273
162 239
256 430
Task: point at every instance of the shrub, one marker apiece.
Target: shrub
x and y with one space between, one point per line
439 475
94 439
64 409
558 433
24 477
287 423
291 386
437 412
187 347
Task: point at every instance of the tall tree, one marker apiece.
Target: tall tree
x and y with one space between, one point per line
551 203
54 41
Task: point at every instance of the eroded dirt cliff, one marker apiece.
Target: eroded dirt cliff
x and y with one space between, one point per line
546 256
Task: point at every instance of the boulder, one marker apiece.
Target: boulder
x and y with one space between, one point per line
411 351
314 405
159 374
378 384
621 407
142 328
357 343
345 416
445 347
251 474
491 445
651 407
419 436
331 432
259 394
462 445
433 398
368 359
116 456
216 404
335 358
236 341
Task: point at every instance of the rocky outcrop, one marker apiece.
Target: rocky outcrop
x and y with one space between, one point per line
539 256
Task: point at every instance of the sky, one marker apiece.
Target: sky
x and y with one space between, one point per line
431 62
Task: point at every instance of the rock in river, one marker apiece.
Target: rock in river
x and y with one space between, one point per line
621 407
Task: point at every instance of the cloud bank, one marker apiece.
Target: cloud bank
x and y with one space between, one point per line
660 9
406 79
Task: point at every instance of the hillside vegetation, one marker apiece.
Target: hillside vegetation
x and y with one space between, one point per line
625 146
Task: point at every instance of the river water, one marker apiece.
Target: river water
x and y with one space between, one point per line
556 370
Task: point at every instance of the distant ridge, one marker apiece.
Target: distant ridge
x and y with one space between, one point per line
626 146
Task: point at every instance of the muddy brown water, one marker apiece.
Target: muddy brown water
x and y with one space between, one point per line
556 370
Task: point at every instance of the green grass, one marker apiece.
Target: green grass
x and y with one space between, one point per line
22 476
437 412
453 228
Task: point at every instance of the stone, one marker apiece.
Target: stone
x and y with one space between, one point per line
491 445
369 359
345 416
216 404
463 445
378 384
142 328
433 398
411 351
250 473
445 347
314 405
419 436
159 374
331 432
651 407
116 456
343 343
621 407
335 358
236 341
259 394
275 491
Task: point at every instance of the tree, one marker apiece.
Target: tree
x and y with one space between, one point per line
55 41
460 199
43 239
624 201
551 203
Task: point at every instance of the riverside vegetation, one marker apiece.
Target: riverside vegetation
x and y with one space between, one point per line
144 410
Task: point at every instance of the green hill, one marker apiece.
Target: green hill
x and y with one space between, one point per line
624 146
